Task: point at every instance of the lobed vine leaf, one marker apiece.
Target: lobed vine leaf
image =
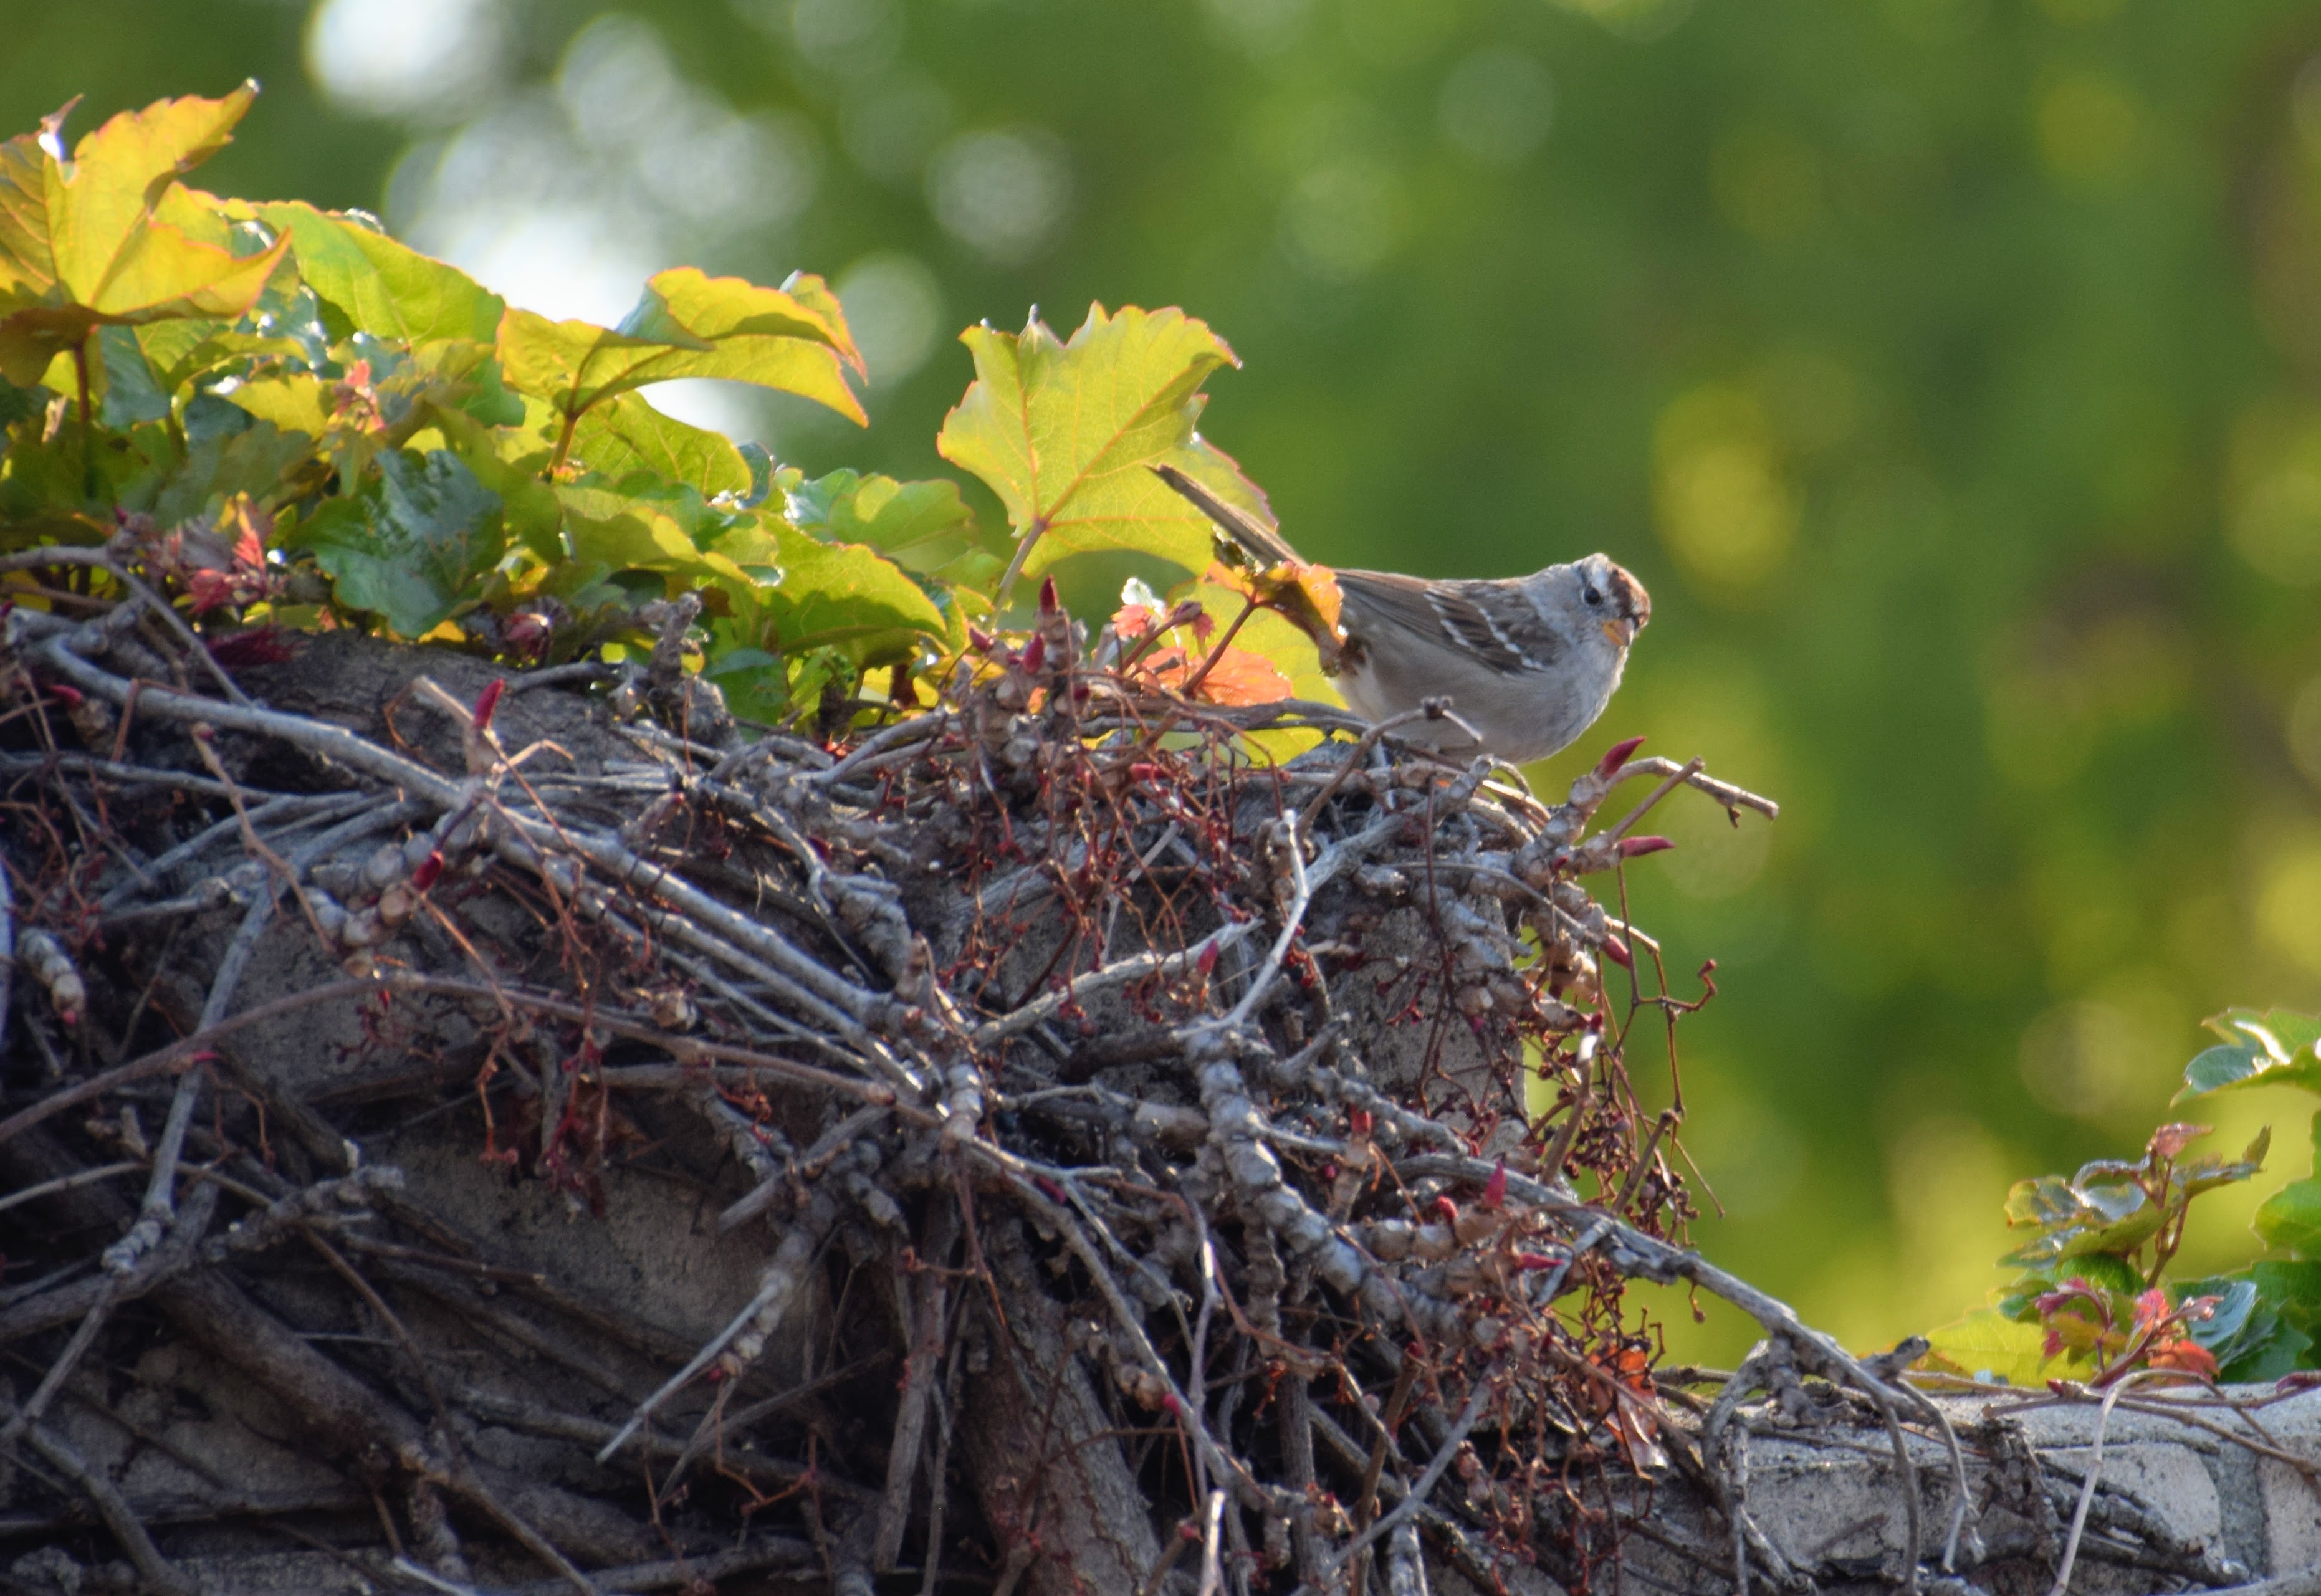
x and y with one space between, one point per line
2276 1047
1065 433
689 324
415 547
110 237
625 435
376 285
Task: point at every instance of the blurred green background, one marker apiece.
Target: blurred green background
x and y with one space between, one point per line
1948 369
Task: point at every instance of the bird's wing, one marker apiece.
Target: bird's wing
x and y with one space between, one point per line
1492 621
1239 525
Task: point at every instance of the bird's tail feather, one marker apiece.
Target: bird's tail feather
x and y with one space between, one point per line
1244 529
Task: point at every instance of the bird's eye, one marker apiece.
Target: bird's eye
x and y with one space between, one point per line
1591 596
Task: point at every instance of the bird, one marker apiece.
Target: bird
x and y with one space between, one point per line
1528 663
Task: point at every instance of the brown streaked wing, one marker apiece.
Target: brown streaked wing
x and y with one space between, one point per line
1491 622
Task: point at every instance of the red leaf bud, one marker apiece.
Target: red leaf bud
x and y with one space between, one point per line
1635 847
1035 654
1616 756
1617 952
1448 1209
1048 604
1495 1189
487 701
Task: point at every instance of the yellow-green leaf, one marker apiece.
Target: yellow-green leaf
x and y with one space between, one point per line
295 401
689 325
919 524
1986 1345
1066 432
625 434
111 237
383 287
845 595
612 531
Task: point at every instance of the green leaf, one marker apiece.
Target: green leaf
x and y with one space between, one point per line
131 392
844 593
380 286
253 457
612 532
529 510
687 325
111 237
626 435
2273 1048
416 550
919 524
1985 1345
1066 432
2290 1218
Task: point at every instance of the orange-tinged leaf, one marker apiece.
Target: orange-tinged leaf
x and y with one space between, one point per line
2171 1139
1320 586
1239 677
2184 1356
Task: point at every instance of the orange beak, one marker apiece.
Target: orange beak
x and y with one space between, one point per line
1622 631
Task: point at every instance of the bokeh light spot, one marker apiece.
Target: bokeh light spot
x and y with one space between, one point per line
1946 1176
894 307
844 37
1722 503
892 127
1631 19
2304 730
1496 105
2289 904
1754 1160
1259 27
1342 219
2304 105
1937 22
2097 1061
1812 397
417 58
1768 183
1003 191
2273 492
2088 127
2079 13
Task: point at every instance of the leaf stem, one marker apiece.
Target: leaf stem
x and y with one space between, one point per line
1250 606
1015 567
564 444
88 457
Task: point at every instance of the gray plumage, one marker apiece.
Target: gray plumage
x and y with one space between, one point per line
1528 662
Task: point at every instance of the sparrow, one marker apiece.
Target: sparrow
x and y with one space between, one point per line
1527 662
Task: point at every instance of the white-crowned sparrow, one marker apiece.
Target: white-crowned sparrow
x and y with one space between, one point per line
1528 662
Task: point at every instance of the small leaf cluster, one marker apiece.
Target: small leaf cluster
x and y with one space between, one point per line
2093 1302
310 424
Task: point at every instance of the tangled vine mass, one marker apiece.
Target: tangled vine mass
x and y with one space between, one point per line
1070 1153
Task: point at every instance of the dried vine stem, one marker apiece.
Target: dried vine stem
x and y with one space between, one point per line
1191 1075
